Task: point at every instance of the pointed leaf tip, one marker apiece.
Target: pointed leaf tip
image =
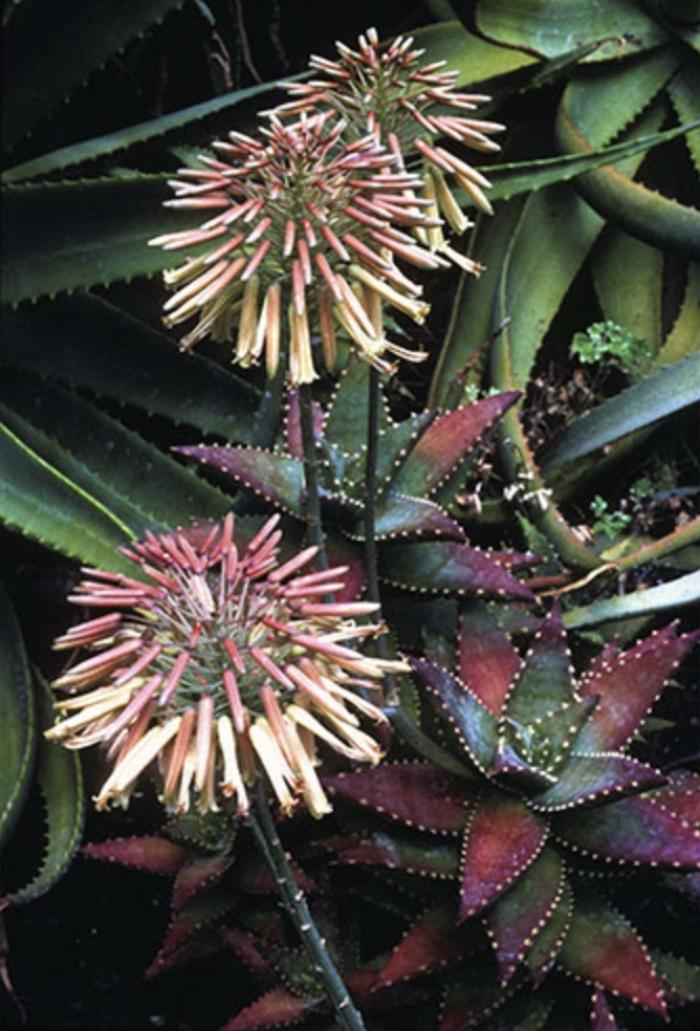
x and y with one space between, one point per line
277 1008
152 854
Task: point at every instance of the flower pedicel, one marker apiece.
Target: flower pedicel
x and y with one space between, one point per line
219 664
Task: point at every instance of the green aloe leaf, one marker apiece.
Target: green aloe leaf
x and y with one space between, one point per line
684 337
664 393
41 502
547 27
132 361
684 91
62 236
628 277
684 590
17 719
49 56
132 476
476 59
60 782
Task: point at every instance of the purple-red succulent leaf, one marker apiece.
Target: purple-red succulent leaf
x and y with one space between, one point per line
602 1017
200 911
417 794
516 919
603 949
545 681
487 659
682 796
446 442
431 942
627 684
196 875
427 859
545 742
541 956
515 559
592 779
503 837
292 424
277 1008
153 854
251 951
399 516
279 479
448 567
634 830
472 723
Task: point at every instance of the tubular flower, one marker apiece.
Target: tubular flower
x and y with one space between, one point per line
220 664
384 91
304 233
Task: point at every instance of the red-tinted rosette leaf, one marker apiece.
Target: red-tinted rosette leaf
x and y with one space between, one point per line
277 478
680 979
292 424
427 859
501 840
399 516
635 830
682 797
474 726
541 956
195 875
153 854
418 794
201 911
590 779
446 442
277 1008
543 744
602 1018
431 942
605 950
516 918
362 983
342 553
446 567
515 559
545 680
250 951
487 659
200 945
627 685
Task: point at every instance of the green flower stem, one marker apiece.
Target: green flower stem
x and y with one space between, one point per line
313 497
683 537
263 827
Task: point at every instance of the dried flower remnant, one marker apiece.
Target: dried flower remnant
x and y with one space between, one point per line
385 91
222 663
304 232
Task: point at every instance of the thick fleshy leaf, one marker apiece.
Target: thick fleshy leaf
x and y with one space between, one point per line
635 830
153 854
545 680
348 412
278 479
590 779
445 567
195 875
544 743
627 685
501 840
401 517
427 858
682 796
541 956
487 659
418 794
474 726
603 949
681 980
17 718
292 424
431 942
200 912
516 919
277 1008
252 951
446 442
602 1018
671 596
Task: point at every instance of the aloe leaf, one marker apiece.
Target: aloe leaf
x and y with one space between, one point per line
276 478
429 858
133 361
199 912
404 517
684 337
149 488
541 955
348 412
447 567
417 794
587 779
209 117
547 27
60 782
685 590
545 681
476 59
431 942
681 979
61 236
39 501
17 718
684 90
488 661
149 853
44 67
276 1008
664 393
628 277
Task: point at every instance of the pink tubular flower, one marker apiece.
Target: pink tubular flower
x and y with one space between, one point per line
384 90
218 664
302 237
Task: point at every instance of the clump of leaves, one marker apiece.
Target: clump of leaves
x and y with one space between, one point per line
608 523
611 344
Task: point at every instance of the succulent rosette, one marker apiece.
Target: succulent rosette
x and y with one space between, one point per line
304 231
219 662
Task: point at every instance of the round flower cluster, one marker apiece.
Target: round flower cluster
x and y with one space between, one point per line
220 663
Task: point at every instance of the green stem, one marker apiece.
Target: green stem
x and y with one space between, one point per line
683 537
313 497
263 827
